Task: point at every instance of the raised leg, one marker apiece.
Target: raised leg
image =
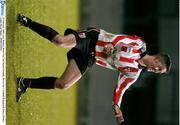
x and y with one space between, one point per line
47 32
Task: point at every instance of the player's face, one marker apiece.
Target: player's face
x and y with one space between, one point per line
156 66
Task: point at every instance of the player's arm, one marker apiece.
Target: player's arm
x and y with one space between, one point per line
123 84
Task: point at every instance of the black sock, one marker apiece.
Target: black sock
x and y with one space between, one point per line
43 30
40 83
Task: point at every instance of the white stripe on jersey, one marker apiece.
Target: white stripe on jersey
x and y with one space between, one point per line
99 48
105 36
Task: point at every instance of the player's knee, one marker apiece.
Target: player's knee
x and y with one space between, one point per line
61 84
59 40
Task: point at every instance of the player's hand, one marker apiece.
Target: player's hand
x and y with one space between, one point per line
108 49
118 114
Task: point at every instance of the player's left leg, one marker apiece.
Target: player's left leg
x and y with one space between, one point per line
71 75
43 30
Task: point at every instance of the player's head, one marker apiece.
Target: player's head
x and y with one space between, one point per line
160 63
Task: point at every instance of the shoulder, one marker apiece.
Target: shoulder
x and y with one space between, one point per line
135 38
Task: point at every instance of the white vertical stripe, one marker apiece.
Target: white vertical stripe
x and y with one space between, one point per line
106 36
99 48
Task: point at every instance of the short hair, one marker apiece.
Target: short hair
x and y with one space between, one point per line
166 60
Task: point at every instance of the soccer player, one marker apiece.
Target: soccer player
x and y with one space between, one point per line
124 53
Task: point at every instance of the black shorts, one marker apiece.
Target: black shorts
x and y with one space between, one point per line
84 51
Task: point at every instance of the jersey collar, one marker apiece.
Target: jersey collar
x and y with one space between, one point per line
141 56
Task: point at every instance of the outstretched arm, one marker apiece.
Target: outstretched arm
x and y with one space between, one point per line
123 84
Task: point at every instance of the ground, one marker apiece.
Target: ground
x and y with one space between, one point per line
29 55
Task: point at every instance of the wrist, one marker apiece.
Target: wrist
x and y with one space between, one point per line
115 107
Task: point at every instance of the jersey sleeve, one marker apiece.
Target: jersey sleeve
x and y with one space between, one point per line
123 84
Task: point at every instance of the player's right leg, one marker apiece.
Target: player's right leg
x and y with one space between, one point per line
47 32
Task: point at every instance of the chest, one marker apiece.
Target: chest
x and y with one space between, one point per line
124 56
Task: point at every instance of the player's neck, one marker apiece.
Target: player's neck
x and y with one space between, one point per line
143 60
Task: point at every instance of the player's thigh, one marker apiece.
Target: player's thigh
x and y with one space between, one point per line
67 41
70 76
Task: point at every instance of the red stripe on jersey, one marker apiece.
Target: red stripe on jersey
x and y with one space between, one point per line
128 69
132 37
124 48
117 39
121 68
117 94
120 76
136 51
124 59
100 54
132 69
100 62
133 44
101 43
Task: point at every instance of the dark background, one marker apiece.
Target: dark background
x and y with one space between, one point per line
153 99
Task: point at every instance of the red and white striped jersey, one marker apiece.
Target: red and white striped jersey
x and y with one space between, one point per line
128 50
